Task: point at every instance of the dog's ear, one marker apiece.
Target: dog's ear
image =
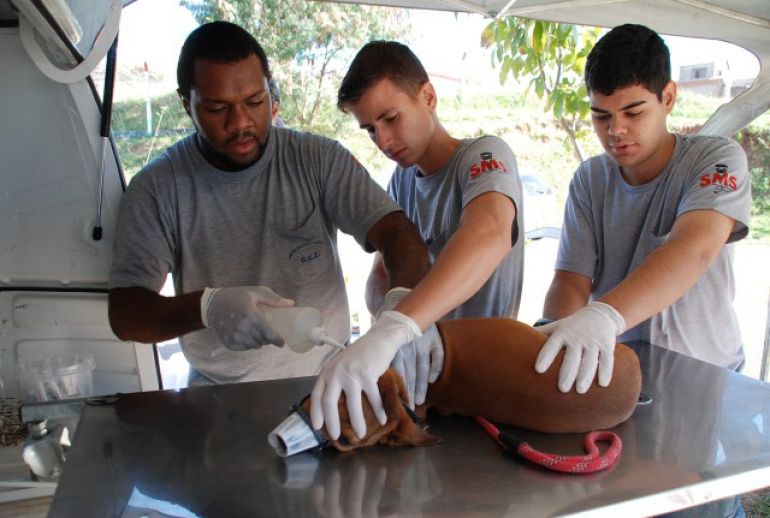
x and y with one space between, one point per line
395 398
409 433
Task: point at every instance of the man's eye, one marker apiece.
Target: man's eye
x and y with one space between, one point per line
391 118
216 110
633 114
256 102
600 116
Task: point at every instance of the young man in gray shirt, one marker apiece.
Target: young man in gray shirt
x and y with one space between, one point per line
648 226
244 214
464 196
646 248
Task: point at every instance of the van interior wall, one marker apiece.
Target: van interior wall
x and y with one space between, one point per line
53 274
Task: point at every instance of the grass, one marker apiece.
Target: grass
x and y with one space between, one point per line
137 151
757 504
129 115
760 227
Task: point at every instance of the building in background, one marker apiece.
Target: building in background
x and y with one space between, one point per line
712 79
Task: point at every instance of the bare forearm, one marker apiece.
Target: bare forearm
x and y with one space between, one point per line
462 268
467 261
141 315
666 275
673 268
568 293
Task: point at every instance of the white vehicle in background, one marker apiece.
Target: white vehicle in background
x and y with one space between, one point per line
542 211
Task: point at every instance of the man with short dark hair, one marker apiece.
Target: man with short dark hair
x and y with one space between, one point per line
465 197
646 248
245 215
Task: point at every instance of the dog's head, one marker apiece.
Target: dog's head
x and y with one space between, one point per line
399 430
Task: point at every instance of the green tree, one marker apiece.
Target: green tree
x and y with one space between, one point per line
756 144
552 56
309 44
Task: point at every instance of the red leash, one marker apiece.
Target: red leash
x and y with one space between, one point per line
578 464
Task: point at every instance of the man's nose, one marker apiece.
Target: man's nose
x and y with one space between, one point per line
238 118
384 139
617 128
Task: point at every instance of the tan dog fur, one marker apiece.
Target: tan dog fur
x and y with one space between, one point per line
489 371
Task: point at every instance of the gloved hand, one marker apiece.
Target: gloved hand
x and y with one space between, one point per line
420 362
357 369
589 337
234 315
392 298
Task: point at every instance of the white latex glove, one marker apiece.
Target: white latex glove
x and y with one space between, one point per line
420 362
234 316
589 337
357 369
392 299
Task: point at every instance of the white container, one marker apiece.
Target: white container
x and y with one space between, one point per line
300 328
294 324
57 377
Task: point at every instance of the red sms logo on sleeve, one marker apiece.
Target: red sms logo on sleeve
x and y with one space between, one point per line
720 180
487 164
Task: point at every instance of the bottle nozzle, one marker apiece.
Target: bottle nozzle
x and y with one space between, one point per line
318 336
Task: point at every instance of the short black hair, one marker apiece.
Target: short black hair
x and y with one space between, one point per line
628 55
221 42
381 60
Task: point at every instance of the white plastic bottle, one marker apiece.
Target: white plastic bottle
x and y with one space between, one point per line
300 327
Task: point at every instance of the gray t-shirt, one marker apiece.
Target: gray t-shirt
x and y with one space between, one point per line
610 227
273 224
435 204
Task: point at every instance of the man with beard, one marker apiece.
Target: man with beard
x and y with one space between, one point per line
243 215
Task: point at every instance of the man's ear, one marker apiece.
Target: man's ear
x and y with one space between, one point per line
185 102
428 93
669 96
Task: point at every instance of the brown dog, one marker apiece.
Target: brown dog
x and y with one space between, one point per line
489 371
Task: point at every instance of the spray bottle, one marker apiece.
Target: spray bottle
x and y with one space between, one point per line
300 328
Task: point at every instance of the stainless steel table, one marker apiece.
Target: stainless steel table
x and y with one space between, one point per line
203 452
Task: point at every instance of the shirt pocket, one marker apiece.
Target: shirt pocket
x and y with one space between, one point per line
305 252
